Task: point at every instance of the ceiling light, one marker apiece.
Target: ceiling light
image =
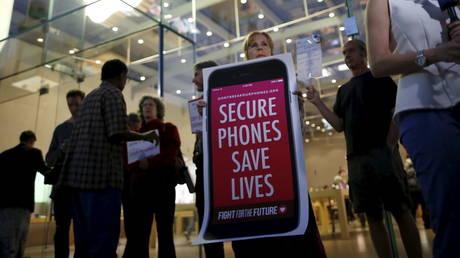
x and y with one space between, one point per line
350 38
318 128
242 55
325 72
40 40
313 125
71 51
140 41
98 62
209 33
307 122
331 15
193 97
100 11
183 60
304 95
115 28
260 16
226 44
243 1
320 1
329 133
323 130
333 80
341 28
288 41
165 4
168 16
190 19
48 66
142 78
307 140
276 29
178 91
194 31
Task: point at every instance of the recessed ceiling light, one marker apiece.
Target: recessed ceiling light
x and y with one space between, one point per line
48 66
183 60
307 140
226 44
329 133
168 16
98 62
71 51
165 4
318 128
288 41
331 15
140 41
115 28
40 40
320 1
178 91
193 97
276 29
304 95
333 80
260 16
323 130
142 78
307 122
209 33
313 125
243 1
341 28
242 55
190 19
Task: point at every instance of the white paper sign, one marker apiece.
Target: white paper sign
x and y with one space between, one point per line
138 150
309 58
351 28
196 120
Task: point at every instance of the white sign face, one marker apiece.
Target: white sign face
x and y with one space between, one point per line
196 119
138 150
309 58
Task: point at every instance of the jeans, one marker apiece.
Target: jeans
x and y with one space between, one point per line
14 226
96 216
432 139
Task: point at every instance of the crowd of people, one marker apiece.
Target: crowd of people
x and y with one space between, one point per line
95 179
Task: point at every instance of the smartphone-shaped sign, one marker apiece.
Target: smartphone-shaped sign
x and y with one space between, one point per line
252 170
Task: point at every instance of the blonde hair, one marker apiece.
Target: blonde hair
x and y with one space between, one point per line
248 39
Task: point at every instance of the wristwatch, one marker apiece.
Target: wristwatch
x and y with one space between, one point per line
420 59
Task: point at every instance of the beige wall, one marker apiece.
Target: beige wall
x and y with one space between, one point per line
323 158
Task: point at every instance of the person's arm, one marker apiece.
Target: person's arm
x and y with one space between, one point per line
331 117
53 151
383 62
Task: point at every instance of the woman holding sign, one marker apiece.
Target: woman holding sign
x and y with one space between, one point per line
258 45
153 186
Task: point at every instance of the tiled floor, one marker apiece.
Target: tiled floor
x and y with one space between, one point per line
359 245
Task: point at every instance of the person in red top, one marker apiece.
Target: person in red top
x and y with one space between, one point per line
152 186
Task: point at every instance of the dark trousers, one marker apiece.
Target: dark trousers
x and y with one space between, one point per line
96 216
143 206
62 206
432 139
214 250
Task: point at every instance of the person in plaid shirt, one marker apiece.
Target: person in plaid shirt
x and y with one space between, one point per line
93 167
